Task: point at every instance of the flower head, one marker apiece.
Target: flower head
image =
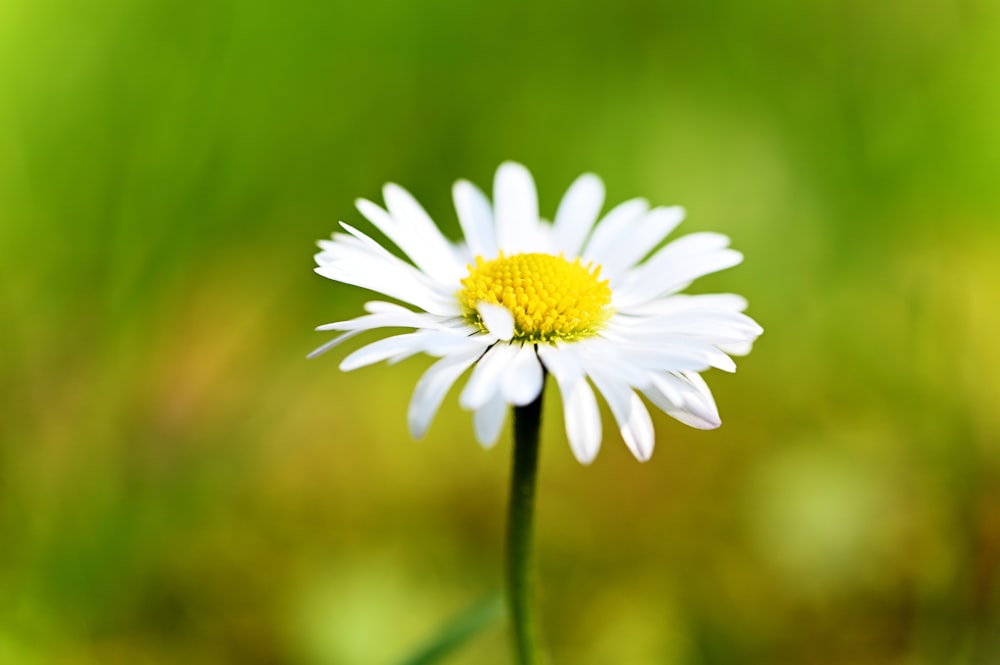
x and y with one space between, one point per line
595 303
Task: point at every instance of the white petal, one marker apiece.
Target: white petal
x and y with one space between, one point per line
639 240
737 348
515 203
381 350
522 378
721 326
485 380
674 266
583 421
428 249
703 396
580 412
609 358
685 397
370 266
383 221
432 342
577 213
336 341
476 219
497 319
431 390
633 419
562 362
387 320
488 420
639 435
674 354
679 302
612 227
425 244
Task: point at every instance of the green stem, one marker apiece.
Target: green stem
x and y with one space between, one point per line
520 569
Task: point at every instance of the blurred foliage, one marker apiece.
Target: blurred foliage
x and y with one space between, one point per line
178 484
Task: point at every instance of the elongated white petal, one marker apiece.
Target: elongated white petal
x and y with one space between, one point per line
580 412
383 221
704 323
382 349
685 397
612 227
603 356
336 341
674 266
422 240
737 348
432 342
497 319
583 421
371 267
577 213
563 362
703 393
633 419
410 215
432 388
515 203
639 435
522 379
638 240
679 302
387 320
485 379
352 243
430 253
475 216
630 361
488 420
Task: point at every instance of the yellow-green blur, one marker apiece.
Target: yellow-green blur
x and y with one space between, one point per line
178 484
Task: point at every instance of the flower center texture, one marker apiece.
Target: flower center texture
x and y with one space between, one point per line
549 297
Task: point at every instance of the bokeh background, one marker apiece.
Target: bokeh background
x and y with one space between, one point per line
179 484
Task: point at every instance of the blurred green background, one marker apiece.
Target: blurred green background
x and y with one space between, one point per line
178 484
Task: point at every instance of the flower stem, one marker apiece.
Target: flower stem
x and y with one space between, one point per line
520 569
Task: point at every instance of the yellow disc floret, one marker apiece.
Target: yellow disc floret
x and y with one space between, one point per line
549 297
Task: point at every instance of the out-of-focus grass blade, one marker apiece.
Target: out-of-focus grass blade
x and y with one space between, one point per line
457 631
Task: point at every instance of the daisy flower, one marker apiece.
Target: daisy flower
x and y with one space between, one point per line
596 303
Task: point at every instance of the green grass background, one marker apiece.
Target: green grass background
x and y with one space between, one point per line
179 485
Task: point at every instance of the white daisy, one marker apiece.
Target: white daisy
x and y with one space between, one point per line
596 304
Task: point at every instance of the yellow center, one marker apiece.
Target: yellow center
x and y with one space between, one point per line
549 297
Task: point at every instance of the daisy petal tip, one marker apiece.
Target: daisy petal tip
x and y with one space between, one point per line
510 167
644 456
592 182
497 319
641 449
391 190
524 394
585 458
702 421
418 429
726 364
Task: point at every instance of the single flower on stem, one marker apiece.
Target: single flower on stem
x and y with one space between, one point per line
595 302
